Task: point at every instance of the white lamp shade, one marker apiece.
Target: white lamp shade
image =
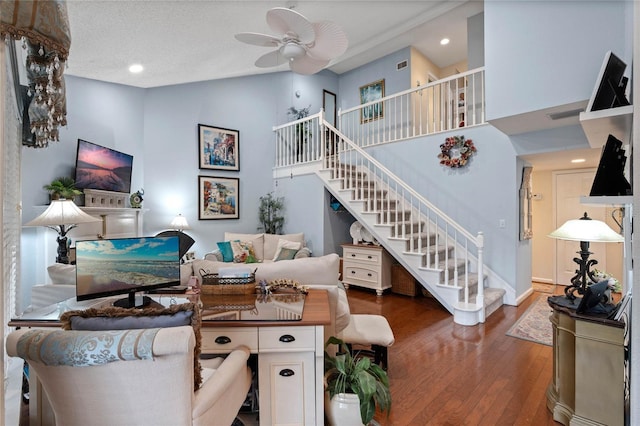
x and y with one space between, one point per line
179 222
587 230
62 212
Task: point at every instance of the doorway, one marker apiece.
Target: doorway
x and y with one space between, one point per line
556 199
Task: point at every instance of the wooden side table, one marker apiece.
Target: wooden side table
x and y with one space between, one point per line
366 266
587 386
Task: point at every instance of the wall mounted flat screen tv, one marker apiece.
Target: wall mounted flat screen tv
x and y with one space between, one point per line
106 169
126 266
611 84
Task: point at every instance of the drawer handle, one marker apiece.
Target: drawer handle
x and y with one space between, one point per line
369 274
353 272
287 372
287 338
353 255
223 340
369 257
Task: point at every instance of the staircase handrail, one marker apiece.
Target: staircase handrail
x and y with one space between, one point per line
408 91
477 240
298 121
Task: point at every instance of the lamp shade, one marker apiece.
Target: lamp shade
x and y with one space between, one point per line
179 222
62 212
586 229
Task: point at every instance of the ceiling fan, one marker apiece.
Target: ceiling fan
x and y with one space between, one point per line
307 46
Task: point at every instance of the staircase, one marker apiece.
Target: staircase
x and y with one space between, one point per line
442 256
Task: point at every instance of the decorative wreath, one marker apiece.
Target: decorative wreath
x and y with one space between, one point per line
456 151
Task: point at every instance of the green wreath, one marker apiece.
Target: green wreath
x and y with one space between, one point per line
456 151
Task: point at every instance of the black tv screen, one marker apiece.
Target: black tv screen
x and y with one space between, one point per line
106 169
126 266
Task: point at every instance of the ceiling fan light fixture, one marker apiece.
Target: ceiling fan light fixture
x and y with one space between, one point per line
292 51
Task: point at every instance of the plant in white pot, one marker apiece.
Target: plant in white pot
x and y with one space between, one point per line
348 377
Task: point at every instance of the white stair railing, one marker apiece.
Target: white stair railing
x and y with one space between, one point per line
441 242
451 103
299 141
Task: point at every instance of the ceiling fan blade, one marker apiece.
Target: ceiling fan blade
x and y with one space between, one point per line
288 22
271 59
330 42
307 65
258 39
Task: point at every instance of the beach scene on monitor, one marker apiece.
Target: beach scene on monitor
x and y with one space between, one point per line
106 267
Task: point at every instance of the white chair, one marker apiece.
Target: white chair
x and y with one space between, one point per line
132 377
372 331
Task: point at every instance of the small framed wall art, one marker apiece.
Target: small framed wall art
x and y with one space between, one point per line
368 93
218 148
218 198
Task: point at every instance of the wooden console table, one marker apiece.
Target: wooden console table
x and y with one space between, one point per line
587 386
290 359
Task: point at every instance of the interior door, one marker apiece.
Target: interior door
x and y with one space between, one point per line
570 187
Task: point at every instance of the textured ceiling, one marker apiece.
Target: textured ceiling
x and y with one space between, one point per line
186 41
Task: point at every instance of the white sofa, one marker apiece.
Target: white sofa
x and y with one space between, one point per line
62 287
266 247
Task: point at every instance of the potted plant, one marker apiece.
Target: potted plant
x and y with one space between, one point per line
347 377
270 213
62 187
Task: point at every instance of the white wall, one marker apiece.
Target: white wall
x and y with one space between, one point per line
547 53
383 68
477 196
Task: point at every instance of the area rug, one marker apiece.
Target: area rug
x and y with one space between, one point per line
534 324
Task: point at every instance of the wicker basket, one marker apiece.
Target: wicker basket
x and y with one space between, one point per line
403 282
214 284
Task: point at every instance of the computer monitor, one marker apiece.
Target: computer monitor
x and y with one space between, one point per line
110 267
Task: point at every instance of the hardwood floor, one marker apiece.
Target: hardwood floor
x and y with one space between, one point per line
442 373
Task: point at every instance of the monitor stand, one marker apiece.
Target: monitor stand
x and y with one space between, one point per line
133 301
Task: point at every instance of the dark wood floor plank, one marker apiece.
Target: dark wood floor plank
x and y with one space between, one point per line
442 373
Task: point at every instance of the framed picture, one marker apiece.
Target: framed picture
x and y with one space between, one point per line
218 198
219 149
368 93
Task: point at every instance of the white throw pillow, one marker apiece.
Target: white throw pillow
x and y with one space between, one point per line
271 242
61 273
286 244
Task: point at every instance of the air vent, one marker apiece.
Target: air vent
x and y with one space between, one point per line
565 114
402 64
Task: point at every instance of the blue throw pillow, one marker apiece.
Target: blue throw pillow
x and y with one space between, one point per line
225 249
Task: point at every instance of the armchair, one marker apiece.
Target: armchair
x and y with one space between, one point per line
125 377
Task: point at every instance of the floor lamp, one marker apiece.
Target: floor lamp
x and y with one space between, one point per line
585 230
62 216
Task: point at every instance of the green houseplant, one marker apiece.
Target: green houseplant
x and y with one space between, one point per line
62 187
346 373
270 213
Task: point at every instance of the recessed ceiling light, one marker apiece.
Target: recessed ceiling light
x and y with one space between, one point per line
444 41
136 68
578 160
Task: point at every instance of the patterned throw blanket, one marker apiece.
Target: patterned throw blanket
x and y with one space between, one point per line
86 348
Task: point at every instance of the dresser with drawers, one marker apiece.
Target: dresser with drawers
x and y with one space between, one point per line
367 266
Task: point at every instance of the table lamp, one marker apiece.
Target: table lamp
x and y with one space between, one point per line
62 216
179 223
584 230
